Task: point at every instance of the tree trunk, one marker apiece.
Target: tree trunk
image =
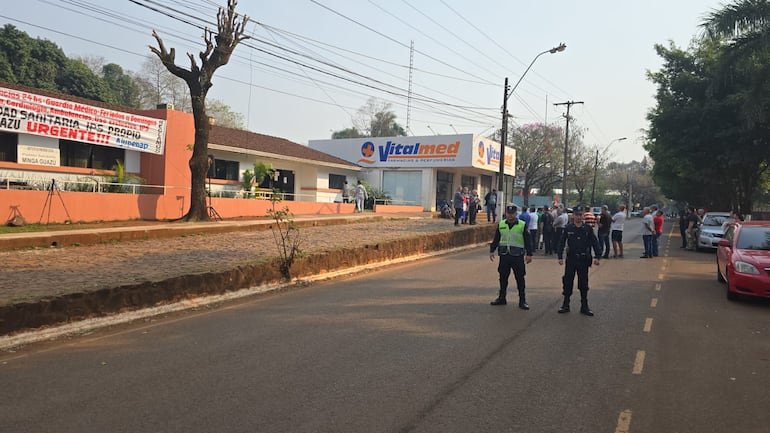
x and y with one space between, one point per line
199 163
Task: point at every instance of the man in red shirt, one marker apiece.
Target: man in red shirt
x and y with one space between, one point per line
657 221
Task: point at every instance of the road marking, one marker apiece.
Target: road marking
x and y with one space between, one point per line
624 422
660 277
657 287
648 324
639 362
654 303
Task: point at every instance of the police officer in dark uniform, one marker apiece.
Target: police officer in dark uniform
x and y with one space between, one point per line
514 247
579 239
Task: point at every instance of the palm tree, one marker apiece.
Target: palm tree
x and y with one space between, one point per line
745 23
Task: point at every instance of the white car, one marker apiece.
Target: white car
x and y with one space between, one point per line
710 232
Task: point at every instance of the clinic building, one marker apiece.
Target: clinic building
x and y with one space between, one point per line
423 170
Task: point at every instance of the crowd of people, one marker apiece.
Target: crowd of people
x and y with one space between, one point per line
576 236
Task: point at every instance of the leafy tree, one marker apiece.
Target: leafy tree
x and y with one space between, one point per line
122 85
219 48
538 155
708 130
224 116
375 119
347 133
77 80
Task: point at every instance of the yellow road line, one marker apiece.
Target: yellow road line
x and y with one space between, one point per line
624 422
648 324
639 362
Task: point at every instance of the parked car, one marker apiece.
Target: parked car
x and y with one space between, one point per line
710 232
743 259
636 213
596 210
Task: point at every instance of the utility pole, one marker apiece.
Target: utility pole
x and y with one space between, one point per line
596 168
566 152
503 140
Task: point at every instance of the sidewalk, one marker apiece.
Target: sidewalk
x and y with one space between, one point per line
100 271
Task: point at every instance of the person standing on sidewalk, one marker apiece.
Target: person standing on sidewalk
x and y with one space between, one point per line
658 222
361 196
457 202
345 193
648 230
579 240
514 247
490 201
618 220
683 223
603 232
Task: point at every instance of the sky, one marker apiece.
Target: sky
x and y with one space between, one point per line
310 65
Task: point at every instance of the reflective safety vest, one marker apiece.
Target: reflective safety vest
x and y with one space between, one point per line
511 238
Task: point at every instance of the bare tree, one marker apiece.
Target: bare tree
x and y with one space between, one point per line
219 48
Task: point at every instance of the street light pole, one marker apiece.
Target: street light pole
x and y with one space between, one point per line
506 94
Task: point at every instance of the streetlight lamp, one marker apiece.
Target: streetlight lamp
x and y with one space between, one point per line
596 166
507 94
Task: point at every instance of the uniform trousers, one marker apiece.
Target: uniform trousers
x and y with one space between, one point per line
576 265
507 264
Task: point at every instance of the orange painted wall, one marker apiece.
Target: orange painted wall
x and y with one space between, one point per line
42 206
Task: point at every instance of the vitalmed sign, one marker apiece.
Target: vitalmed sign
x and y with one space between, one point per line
462 150
28 113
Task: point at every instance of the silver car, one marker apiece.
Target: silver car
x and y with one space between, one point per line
710 232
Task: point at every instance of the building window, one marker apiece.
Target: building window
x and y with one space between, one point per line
8 144
225 170
84 155
403 186
336 181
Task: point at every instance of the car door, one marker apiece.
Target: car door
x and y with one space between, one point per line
725 252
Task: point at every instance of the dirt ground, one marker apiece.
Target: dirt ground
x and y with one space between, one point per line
32 274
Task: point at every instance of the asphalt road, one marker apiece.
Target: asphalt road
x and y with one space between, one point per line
417 348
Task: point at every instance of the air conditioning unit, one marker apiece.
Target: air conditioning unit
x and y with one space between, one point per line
165 106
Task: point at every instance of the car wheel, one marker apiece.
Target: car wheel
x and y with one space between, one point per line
720 278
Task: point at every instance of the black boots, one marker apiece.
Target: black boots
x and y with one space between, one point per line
523 303
564 306
501 301
584 308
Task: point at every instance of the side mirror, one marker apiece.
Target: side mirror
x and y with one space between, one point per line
724 243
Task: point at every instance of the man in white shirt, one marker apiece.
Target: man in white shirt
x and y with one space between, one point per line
532 226
648 230
617 231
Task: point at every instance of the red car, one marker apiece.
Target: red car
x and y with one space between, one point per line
743 259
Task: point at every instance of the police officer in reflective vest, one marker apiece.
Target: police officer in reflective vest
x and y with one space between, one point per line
514 247
579 239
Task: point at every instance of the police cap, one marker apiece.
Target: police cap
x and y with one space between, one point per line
578 209
511 209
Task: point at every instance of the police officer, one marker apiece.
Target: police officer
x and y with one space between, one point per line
579 239
514 247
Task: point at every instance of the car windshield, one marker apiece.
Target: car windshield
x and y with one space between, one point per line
754 238
714 220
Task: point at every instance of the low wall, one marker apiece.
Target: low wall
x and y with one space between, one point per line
391 208
62 206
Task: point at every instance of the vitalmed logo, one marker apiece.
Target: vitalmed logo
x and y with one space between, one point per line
409 152
490 156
